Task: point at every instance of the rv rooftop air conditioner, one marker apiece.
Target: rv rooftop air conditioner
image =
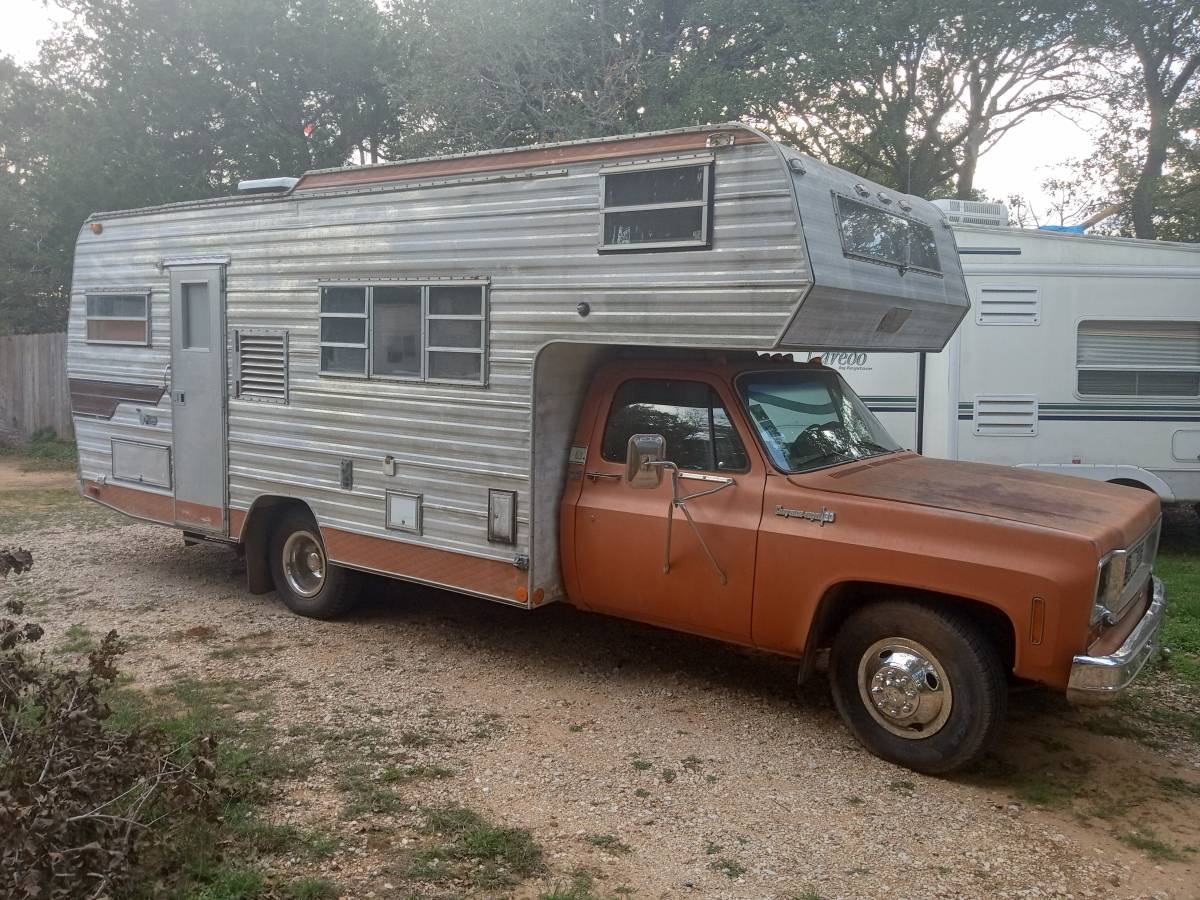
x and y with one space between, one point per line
974 212
266 185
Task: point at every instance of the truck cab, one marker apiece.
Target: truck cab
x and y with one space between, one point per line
756 500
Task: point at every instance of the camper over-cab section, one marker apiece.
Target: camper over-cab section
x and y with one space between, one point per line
559 373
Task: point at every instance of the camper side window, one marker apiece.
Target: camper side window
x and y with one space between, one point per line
118 319
1138 358
411 331
656 208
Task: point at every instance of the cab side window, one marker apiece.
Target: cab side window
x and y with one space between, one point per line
688 414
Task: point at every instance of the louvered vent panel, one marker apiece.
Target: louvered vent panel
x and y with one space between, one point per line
1006 415
1008 305
263 366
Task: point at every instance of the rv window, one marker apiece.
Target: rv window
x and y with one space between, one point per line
418 332
118 319
1138 358
657 208
688 414
881 236
344 330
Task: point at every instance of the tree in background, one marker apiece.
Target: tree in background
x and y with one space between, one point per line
1148 153
908 93
150 101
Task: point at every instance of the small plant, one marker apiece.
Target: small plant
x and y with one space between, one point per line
487 855
668 775
712 849
1149 842
582 887
730 868
692 763
902 787
575 729
641 765
855 800
312 889
641 792
608 842
78 640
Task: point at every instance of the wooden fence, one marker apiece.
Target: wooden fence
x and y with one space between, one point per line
33 386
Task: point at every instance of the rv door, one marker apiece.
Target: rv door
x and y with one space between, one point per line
198 397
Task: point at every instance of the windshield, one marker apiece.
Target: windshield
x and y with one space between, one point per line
811 419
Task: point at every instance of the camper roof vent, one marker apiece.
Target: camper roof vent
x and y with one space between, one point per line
266 185
974 212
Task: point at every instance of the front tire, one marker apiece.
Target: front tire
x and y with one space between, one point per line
304 578
921 687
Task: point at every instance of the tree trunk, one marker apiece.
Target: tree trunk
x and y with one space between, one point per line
1142 200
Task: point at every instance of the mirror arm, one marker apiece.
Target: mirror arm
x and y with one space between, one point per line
681 503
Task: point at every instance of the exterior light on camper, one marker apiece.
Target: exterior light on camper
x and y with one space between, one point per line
883 198
502 516
97 228
861 190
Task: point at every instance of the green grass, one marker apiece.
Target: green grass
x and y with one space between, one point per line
1152 846
730 868
78 640
582 887
472 849
312 889
609 842
1180 573
44 452
52 508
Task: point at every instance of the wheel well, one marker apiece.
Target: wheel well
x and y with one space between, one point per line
256 538
1129 482
843 599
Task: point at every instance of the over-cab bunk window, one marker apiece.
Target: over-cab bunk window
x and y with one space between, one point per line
410 331
118 319
881 236
656 207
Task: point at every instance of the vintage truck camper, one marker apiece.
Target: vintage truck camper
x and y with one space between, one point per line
559 372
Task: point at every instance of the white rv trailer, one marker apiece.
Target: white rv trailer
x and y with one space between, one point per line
1081 356
403 347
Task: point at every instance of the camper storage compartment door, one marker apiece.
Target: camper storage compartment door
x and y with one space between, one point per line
140 463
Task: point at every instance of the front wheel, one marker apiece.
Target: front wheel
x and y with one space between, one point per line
304 578
920 687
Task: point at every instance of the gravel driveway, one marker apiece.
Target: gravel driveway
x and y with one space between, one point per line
664 765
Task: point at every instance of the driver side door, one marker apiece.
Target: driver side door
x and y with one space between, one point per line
621 531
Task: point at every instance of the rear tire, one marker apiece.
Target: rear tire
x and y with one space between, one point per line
921 687
304 578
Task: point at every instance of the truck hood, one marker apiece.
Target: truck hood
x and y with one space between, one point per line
1111 515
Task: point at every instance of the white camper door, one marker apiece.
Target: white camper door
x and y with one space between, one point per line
198 397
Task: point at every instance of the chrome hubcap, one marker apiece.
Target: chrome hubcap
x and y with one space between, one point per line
304 563
904 688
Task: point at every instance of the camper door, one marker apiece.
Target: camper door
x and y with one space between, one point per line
198 397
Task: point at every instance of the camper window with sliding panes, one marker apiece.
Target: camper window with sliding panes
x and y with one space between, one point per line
434 331
112 318
656 206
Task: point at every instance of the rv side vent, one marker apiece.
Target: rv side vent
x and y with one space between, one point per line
1012 414
1008 304
262 365
974 212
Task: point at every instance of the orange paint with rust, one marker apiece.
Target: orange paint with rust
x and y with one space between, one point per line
987 535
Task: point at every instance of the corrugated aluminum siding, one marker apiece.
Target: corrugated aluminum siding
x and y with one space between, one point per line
535 239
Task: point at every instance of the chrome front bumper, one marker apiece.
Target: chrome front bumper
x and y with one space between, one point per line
1100 679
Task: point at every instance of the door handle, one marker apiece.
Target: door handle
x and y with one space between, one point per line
596 476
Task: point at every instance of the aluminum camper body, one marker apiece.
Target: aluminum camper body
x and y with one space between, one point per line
224 355
1081 356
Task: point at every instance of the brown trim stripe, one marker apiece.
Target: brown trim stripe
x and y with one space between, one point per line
521 159
91 397
132 501
489 577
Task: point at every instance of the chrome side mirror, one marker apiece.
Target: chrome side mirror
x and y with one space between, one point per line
642 451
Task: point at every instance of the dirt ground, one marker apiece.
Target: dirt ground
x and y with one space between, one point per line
710 773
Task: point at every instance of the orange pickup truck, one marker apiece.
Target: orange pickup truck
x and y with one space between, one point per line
760 502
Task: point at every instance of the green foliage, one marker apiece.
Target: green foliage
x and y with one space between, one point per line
474 850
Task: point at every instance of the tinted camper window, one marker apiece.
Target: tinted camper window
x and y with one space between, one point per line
118 319
1116 358
656 208
881 236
